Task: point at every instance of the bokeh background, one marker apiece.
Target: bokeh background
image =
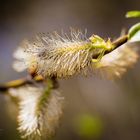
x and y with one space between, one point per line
95 108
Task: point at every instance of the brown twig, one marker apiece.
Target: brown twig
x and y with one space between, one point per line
117 43
20 82
120 41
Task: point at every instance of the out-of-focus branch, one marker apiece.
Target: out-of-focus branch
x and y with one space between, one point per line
20 82
27 80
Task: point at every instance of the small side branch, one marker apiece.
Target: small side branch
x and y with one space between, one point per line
20 82
27 80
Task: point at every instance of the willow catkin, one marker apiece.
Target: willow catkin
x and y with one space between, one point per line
39 112
64 56
60 56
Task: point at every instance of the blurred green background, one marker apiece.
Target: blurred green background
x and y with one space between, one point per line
95 108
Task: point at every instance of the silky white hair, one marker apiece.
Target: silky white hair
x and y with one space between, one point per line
39 112
64 56
55 55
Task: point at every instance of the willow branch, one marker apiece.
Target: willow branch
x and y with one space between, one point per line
28 80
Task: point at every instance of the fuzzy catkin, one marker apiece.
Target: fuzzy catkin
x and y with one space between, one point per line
116 63
59 56
39 113
64 56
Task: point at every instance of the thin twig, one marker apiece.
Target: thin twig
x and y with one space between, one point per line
117 43
27 80
19 82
